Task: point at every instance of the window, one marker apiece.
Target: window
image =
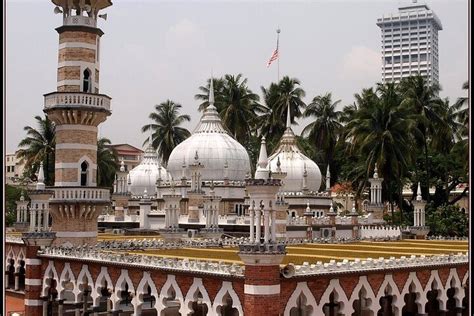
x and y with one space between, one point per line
13 168
414 57
86 87
388 60
84 167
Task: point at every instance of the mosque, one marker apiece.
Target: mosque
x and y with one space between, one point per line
211 239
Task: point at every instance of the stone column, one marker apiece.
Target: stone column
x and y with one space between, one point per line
273 212
208 217
266 226
17 281
262 280
33 303
145 208
252 224
32 220
60 307
18 212
45 306
258 224
46 219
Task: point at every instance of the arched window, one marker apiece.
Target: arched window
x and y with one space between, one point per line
84 167
86 86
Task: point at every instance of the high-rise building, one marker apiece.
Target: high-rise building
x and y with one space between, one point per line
410 43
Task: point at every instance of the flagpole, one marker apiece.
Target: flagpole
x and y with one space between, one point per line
278 49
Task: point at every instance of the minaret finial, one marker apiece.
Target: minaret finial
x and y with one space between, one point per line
418 193
122 165
263 157
376 175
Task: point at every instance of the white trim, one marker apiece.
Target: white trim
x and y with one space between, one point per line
33 262
66 184
76 146
33 302
78 63
77 234
37 282
74 127
77 45
69 82
262 289
72 165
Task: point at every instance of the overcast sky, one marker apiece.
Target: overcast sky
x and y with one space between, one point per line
158 50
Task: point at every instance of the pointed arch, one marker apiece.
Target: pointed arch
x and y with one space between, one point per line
459 292
219 299
19 257
49 273
362 284
420 293
334 286
101 278
84 274
170 284
301 288
66 275
197 285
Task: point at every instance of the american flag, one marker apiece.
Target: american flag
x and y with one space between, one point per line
274 57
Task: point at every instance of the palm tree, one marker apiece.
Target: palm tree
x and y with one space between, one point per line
463 112
107 163
39 147
236 104
323 131
166 132
380 132
425 104
290 95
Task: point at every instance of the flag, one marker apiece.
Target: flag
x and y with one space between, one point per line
274 57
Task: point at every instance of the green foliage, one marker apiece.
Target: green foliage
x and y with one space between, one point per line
107 163
165 129
12 194
446 220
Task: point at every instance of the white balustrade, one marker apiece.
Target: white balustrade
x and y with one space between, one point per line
80 20
76 99
80 194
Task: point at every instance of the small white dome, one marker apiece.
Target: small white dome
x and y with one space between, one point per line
220 154
294 163
143 177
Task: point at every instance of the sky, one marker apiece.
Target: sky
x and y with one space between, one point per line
157 50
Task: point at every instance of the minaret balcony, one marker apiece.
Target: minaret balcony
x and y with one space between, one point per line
76 100
79 194
80 20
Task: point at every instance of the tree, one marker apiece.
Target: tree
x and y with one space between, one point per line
38 146
236 104
324 130
290 95
446 220
107 163
12 195
166 132
423 101
380 133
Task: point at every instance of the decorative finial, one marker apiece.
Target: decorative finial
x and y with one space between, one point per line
328 173
376 175
353 207
288 118
418 193
211 93
40 185
122 166
305 172
22 197
196 156
278 164
145 194
331 209
308 209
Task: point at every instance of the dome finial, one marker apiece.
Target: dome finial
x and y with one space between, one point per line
196 156
122 165
263 157
288 118
211 93
376 175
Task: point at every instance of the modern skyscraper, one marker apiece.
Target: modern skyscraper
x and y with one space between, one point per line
410 43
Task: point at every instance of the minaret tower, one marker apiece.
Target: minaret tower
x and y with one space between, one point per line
77 109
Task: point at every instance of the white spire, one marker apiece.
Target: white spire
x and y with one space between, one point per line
328 179
353 207
122 166
263 157
40 185
288 118
418 193
308 209
211 93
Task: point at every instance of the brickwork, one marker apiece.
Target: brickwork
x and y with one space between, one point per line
66 175
33 292
69 73
76 137
262 275
73 155
348 283
69 88
261 305
78 37
76 54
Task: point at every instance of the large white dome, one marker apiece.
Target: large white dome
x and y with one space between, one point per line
294 163
144 175
215 148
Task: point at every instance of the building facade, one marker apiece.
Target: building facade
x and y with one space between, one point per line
410 43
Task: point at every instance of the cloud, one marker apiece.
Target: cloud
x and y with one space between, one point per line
361 62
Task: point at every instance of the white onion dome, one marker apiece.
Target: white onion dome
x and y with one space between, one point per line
143 177
221 155
295 164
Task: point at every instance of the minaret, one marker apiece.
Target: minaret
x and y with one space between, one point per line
77 108
328 179
419 228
